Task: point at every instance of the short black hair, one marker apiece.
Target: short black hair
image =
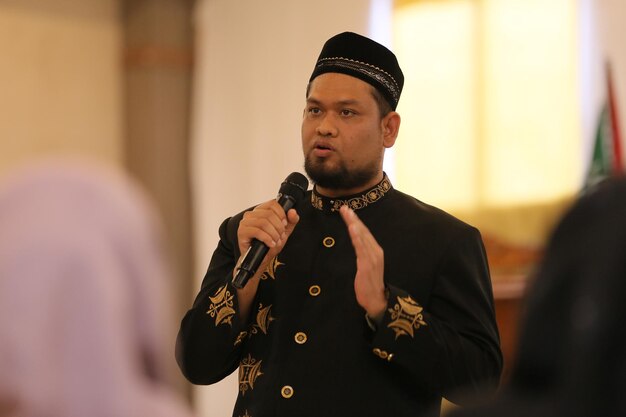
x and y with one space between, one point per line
384 108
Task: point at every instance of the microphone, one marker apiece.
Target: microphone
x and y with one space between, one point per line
291 191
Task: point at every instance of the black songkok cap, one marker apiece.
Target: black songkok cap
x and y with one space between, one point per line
358 56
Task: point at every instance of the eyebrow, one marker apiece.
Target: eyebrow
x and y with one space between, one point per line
347 102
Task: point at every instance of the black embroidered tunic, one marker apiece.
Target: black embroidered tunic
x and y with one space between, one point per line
308 350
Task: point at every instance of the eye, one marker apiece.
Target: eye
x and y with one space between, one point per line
313 110
347 112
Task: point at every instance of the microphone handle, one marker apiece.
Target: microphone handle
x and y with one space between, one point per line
257 251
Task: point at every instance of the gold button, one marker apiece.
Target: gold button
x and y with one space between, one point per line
300 338
286 391
315 290
329 242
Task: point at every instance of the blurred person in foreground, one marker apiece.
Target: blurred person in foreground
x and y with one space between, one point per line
84 307
369 302
571 357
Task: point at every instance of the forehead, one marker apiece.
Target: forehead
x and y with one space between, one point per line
333 86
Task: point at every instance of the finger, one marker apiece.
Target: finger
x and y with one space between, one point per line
266 216
277 210
366 247
248 234
272 210
249 231
348 215
292 219
356 229
272 221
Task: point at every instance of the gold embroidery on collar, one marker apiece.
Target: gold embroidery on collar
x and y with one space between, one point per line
221 307
246 414
355 203
263 320
249 371
270 271
407 316
316 201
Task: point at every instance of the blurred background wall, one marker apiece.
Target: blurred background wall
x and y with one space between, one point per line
201 101
61 79
108 80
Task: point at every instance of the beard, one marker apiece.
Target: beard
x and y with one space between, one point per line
339 177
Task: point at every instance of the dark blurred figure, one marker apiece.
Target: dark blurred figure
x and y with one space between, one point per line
84 308
572 352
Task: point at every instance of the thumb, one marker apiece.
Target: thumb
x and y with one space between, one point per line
292 220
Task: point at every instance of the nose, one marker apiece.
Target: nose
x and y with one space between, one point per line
326 126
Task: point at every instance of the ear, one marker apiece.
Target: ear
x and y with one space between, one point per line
390 126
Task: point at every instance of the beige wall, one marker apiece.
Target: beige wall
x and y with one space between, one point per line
60 80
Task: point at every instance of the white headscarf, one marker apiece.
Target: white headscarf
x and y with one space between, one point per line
84 309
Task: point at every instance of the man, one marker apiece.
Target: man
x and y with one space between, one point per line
369 302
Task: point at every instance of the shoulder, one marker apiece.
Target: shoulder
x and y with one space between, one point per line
413 210
229 226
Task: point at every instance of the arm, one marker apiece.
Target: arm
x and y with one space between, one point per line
451 346
205 347
211 334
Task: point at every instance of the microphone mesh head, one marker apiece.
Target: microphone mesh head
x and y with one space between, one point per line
295 185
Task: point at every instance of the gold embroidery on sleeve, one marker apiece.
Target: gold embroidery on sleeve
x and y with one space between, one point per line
221 307
249 371
407 316
263 320
242 335
270 271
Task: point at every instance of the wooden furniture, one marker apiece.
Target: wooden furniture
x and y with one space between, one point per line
511 268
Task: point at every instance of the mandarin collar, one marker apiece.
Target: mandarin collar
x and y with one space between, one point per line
356 201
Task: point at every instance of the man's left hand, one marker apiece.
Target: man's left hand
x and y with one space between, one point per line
369 284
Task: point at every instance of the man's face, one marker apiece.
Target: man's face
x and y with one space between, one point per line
342 134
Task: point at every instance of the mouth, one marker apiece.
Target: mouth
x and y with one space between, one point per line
323 146
322 149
